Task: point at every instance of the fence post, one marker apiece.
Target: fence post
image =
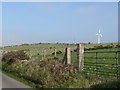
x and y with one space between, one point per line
55 52
44 53
68 58
80 57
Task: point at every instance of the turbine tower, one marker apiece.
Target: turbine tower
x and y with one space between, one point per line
99 35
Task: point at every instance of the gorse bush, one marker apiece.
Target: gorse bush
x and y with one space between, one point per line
100 47
118 46
103 47
15 55
48 72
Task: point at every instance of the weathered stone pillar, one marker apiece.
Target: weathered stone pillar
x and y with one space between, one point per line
80 57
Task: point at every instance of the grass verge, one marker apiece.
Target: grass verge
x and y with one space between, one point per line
78 81
20 79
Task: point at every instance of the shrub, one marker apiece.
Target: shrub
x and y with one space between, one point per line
92 48
98 47
108 46
50 47
15 55
48 72
118 46
54 73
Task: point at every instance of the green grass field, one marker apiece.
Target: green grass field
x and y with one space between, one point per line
39 49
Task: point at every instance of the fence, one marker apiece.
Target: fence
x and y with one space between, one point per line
103 63
42 53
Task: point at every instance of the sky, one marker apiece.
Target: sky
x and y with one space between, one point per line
0 24
60 0
64 22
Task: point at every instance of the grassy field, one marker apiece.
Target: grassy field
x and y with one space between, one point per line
37 52
39 48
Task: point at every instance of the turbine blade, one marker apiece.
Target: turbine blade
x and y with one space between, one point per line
99 30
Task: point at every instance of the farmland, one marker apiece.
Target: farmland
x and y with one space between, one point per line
39 48
42 59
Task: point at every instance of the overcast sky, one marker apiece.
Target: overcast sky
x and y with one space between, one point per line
65 22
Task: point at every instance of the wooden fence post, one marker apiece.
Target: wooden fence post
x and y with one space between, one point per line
44 53
55 52
68 58
80 57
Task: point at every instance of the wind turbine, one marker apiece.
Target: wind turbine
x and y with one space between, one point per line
99 35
